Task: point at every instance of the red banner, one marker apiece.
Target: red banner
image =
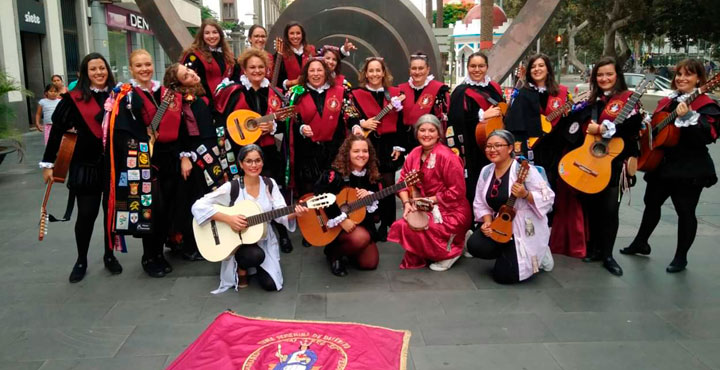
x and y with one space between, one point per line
238 342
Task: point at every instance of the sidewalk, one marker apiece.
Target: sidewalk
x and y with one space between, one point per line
575 317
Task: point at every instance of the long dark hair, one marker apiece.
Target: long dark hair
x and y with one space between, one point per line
477 54
83 83
303 79
200 48
550 84
286 40
620 85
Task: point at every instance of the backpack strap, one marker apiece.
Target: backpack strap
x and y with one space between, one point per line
234 191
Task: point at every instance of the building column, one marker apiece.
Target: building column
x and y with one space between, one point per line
54 42
11 59
159 61
99 29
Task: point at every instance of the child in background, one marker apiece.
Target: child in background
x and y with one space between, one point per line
46 107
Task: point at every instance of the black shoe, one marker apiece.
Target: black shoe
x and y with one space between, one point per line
338 268
152 268
164 264
382 233
611 265
637 248
306 244
676 266
592 256
194 256
78 272
286 245
112 264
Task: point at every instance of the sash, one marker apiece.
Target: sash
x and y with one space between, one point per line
412 110
556 101
213 74
614 105
89 110
481 97
292 68
323 125
339 79
370 108
170 123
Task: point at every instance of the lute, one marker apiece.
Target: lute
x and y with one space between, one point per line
501 226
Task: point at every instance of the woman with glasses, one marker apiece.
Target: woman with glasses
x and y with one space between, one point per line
374 94
472 101
442 189
423 95
528 251
262 259
257 36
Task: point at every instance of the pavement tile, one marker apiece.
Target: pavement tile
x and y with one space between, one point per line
67 315
498 301
355 281
705 350
426 279
490 356
608 299
32 365
608 326
311 307
157 311
117 363
696 324
485 328
623 355
158 340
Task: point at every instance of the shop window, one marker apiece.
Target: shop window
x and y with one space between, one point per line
119 64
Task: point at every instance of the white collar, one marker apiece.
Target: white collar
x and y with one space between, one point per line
359 173
541 89
607 93
155 85
483 83
381 89
248 85
320 89
298 51
95 89
217 49
677 93
427 81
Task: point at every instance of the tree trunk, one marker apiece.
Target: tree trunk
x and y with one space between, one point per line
625 51
615 21
486 26
428 11
572 55
440 19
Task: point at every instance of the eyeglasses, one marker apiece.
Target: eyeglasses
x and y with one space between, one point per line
495 188
249 162
495 146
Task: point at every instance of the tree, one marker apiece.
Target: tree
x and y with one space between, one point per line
453 13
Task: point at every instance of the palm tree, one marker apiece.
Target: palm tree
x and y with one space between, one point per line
486 24
10 138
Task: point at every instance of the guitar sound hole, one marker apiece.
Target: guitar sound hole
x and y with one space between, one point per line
599 149
505 217
251 125
345 208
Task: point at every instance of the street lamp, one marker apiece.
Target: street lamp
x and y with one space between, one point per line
558 45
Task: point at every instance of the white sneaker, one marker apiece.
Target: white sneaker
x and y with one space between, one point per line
467 254
443 265
547 262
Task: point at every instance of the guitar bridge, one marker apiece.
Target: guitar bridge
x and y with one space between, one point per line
585 169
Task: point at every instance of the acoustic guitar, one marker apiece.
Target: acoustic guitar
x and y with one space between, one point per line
588 168
60 170
384 112
167 99
217 241
662 131
276 69
243 125
486 127
313 224
501 226
547 123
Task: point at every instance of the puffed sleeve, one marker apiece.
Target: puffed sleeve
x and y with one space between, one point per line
480 206
543 196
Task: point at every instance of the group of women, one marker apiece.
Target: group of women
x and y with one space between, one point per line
156 155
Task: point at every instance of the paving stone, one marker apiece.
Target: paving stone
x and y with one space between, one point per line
485 328
119 363
62 343
158 340
491 356
608 326
158 311
696 324
32 365
426 279
311 307
705 350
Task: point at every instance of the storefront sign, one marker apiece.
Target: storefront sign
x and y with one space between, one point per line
125 19
31 16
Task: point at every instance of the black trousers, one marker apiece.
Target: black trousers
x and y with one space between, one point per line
685 197
601 211
252 255
164 198
506 266
88 208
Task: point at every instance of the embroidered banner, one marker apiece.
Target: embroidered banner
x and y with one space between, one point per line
238 342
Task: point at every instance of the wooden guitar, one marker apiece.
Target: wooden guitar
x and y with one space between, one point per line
501 226
278 60
588 168
313 224
486 127
168 97
217 241
384 112
662 131
60 170
243 125
547 123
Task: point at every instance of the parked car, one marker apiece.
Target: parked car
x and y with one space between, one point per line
660 87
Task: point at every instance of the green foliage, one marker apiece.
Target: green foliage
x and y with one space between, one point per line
453 13
9 135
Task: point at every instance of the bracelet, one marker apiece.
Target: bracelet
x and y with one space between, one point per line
405 202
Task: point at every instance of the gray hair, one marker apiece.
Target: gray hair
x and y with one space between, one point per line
428 118
505 135
244 151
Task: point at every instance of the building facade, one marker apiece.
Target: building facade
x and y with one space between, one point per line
47 37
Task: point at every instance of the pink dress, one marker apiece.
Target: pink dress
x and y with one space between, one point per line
443 177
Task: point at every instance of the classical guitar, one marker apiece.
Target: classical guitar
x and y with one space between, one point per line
217 241
168 97
278 43
313 224
384 112
588 168
486 127
501 226
662 131
60 170
547 123
243 125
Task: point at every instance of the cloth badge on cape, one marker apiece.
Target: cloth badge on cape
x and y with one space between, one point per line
425 101
134 188
449 132
224 163
146 200
134 205
228 145
131 162
122 219
574 127
201 149
144 160
233 169
146 213
123 181
208 158
208 180
146 174
216 170
200 164
146 187
132 144
134 217
132 153
216 150
220 131
133 175
144 147
231 157
121 205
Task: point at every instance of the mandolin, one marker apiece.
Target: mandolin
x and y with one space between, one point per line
217 241
547 123
501 226
662 131
384 112
60 170
313 224
243 125
589 167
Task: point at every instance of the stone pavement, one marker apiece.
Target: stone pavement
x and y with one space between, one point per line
575 317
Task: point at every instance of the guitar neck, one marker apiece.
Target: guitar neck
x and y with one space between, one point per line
671 118
628 107
276 69
368 200
159 114
558 112
384 112
271 215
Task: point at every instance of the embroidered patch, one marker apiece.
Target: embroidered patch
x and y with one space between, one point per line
144 160
131 162
200 164
555 103
133 175
333 104
231 157
143 227
134 188
331 176
122 220
144 147
208 179
132 153
123 179
228 144
146 174
449 132
233 169
451 141
613 108
132 144
121 205
456 151
274 102
574 127
147 213
201 149
134 217
216 150
425 101
220 131
146 187
208 158
216 170
146 200
224 163
134 205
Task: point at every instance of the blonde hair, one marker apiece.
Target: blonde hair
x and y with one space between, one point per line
250 53
362 75
137 52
